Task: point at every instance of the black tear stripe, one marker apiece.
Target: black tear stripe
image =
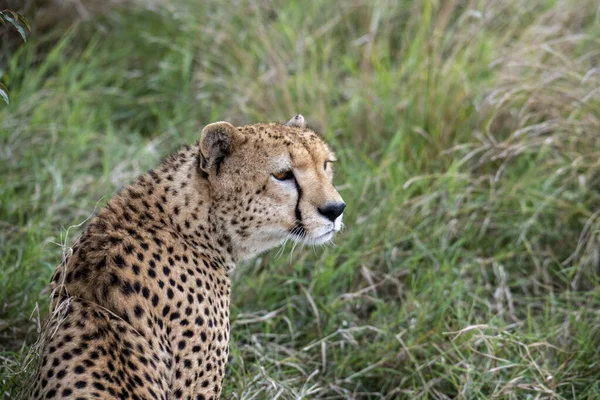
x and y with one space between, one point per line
298 229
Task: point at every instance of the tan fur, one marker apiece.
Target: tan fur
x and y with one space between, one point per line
146 289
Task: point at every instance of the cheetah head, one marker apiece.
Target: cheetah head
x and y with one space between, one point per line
270 183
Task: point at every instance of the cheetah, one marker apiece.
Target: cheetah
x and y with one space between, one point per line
141 300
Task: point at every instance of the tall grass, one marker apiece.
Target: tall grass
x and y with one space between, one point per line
467 133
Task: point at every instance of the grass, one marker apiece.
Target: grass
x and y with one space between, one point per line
467 133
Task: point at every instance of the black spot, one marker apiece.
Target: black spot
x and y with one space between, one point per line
138 311
114 279
126 288
119 261
101 264
166 310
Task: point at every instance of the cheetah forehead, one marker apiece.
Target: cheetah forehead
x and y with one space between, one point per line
285 145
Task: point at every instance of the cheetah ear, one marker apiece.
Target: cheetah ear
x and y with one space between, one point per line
217 141
297 121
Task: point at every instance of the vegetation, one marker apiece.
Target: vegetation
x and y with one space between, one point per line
467 133
19 23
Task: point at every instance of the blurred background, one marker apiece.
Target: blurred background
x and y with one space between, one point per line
468 134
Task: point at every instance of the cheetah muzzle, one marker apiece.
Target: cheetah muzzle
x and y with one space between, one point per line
141 302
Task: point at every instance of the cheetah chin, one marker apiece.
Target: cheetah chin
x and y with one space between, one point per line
141 302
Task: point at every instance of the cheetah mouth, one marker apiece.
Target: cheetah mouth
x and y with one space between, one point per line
321 239
302 235
326 234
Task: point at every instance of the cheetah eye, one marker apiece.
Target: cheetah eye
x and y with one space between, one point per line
327 163
284 175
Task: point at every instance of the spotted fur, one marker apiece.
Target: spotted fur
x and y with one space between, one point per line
142 299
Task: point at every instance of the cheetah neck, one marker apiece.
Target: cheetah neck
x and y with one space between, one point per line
176 197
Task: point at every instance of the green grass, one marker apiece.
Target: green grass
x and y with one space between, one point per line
467 134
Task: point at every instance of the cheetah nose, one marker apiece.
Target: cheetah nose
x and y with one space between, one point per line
332 210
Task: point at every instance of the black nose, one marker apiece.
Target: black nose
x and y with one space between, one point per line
332 210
